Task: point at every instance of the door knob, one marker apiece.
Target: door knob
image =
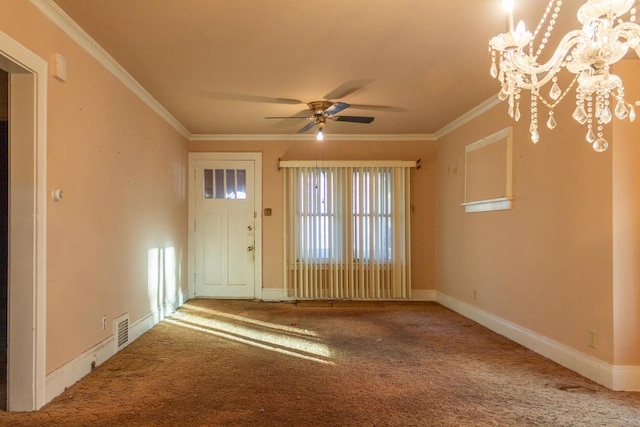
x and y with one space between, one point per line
250 248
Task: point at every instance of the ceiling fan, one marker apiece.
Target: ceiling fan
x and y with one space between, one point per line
323 110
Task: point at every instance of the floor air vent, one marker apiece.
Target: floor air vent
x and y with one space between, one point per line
121 331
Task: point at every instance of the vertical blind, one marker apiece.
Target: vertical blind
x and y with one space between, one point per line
347 230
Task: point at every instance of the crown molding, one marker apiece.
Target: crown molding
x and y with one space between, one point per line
460 121
468 116
56 15
305 137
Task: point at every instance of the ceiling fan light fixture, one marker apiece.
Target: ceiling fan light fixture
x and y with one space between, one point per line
320 111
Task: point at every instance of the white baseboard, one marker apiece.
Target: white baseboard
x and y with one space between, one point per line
423 295
617 378
274 295
74 370
626 378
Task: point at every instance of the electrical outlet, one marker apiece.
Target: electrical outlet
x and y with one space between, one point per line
475 294
592 339
104 323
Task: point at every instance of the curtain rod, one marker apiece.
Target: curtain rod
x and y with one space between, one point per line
348 163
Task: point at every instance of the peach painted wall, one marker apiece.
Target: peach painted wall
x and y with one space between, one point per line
122 169
626 224
546 264
422 192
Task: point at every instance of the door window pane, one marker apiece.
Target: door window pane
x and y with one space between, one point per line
219 174
207 188
230 175
241 184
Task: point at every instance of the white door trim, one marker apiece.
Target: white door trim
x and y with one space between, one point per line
257 159
27 326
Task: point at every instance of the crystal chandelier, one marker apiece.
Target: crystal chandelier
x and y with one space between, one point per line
609 31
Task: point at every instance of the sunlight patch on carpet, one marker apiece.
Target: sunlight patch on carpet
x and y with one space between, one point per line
259 323
269 339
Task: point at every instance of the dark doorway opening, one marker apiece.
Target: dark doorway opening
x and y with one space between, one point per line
4 232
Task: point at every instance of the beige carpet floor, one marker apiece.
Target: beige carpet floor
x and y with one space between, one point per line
241 363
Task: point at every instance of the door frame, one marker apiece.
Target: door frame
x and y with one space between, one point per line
194 158
26 359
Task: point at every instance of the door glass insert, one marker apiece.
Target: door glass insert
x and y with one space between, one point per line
224 184
207 187
230 175
241 184
219 175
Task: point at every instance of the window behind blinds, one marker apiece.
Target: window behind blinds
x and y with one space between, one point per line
347 233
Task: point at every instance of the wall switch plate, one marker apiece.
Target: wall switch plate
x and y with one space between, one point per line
58 67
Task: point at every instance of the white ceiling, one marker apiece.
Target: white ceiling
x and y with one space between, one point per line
221 66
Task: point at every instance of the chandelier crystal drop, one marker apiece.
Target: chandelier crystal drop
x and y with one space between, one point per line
609 31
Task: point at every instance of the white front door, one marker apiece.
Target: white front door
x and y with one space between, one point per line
224 228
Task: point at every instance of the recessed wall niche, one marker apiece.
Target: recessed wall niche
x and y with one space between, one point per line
488 168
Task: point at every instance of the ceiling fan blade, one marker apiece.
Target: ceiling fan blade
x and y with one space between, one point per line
387 108
353 119
347 88
289 117
336 108
253 98
307 127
